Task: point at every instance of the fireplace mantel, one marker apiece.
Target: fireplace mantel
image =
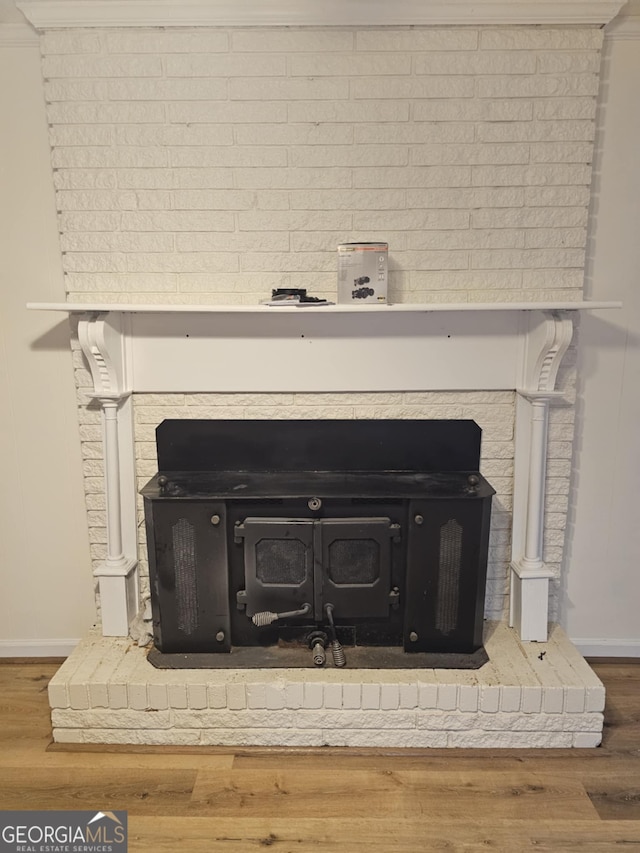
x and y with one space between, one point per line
251 348
237 348
365 308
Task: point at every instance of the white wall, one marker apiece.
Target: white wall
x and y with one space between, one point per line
46 599
602 591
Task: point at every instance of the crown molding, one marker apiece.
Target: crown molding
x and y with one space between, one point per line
18 35
45 14
624 28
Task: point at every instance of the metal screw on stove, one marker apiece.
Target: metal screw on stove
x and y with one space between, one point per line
220 636
419 519
413 637
215 519
314 503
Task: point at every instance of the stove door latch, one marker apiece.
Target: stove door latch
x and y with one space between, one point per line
268 617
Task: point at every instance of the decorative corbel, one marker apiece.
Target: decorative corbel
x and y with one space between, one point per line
102 342
546 343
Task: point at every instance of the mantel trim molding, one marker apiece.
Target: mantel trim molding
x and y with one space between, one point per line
18 35
45 14
624 28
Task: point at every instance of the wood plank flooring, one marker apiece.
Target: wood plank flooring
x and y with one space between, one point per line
203 800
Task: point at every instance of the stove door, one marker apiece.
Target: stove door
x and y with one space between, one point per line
289 563
278 564
353 566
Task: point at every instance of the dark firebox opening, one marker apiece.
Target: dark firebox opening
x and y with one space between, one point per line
292 543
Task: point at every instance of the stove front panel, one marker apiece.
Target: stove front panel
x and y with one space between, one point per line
353 556
401 573
187 547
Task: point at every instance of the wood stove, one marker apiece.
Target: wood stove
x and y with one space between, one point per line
272 541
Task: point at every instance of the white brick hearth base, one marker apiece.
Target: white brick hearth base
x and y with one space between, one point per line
528 695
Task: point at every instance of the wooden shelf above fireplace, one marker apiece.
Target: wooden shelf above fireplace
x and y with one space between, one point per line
382 310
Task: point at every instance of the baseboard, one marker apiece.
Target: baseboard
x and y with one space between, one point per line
592 647
37 648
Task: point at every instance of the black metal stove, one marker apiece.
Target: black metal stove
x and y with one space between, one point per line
272 540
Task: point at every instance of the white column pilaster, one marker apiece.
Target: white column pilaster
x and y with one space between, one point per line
544 350
103 344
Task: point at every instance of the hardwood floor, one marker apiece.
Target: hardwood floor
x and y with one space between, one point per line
236 800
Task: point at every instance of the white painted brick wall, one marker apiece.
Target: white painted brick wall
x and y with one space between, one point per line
212 165
216 164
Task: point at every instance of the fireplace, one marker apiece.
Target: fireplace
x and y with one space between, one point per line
188 189
527 694
275 540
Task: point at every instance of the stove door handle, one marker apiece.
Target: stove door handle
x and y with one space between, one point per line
267 617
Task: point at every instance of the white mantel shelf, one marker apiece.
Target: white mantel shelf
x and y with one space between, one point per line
400 308
332 348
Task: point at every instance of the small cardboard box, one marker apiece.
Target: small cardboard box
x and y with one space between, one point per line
362 273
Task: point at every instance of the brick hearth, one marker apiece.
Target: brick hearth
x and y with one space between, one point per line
528 695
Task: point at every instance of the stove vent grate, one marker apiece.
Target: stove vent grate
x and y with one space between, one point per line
354 561
185 564
280 561
449 568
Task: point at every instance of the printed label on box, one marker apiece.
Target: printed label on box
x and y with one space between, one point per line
362 272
